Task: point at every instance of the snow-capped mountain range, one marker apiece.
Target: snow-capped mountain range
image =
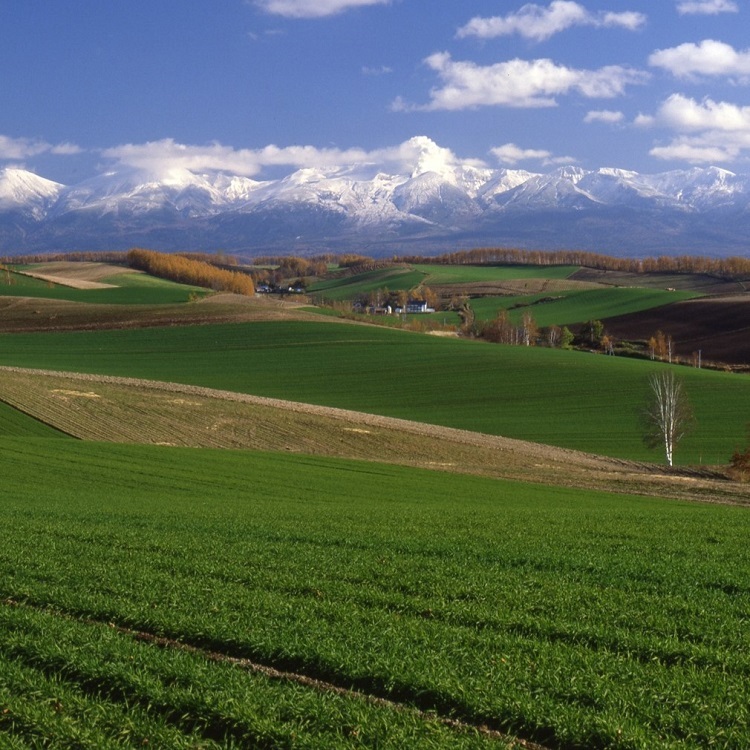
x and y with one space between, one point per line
435 207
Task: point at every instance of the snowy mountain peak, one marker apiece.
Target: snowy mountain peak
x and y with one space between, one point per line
20 187
421 193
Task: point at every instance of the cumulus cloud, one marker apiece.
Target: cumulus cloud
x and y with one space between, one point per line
518 83
166 154
706 7
706 131
539 23
685 114
709 58
604 115
418 154
23 148
511 154
312 8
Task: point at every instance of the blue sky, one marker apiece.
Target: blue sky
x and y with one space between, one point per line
262 87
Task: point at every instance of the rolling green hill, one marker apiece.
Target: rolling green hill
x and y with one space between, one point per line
571 399
130 288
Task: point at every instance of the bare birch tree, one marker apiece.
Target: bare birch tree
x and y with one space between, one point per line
667 415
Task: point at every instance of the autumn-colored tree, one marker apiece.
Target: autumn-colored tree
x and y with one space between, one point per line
503 331
186 271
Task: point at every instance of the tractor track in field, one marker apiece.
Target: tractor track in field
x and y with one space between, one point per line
274 673
118 409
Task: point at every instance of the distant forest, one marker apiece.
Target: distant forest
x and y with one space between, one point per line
731 267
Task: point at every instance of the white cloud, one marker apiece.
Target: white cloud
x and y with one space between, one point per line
684 114
66 149
706 131
539 23
693 153
381 70
511 154
418 154
706 7
604 115
709 58
313 8
23 148
518 83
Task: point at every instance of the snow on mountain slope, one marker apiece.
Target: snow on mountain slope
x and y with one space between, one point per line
558 190
26 192
420 193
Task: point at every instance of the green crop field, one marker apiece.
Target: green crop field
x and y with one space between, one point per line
566 308
570 399
405 278
15 424
445 274
130 289
349 287
573 618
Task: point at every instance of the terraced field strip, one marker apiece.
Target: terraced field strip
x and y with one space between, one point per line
570 618
139 411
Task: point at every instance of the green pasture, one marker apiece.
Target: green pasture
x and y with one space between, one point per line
14 423
460 274
571 399
568 617
349 287
405 278
567 308
131 289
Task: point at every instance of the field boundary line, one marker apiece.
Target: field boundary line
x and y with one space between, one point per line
273 673
424 428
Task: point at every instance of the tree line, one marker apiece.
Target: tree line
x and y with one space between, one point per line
731 267
186 271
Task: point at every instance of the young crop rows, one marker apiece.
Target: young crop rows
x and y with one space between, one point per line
567 618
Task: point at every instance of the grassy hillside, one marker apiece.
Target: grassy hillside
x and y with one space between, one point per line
350 286
445 274
576 400
130 288
575 618
14 423
571 307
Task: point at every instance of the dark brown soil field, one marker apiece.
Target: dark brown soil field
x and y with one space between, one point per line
718 327
696 282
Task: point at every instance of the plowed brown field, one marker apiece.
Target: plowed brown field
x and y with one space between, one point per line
719 327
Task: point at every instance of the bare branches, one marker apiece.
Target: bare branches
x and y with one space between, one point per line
667 416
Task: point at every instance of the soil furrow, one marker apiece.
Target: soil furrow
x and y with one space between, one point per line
273 673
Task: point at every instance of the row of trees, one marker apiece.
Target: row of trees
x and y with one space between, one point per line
186 271
383 297
732 267
94 256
